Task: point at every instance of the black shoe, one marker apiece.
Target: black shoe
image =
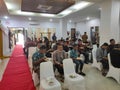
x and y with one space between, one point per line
83 74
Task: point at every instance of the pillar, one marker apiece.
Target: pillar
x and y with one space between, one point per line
109 22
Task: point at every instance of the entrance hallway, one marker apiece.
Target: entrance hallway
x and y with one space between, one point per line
17 74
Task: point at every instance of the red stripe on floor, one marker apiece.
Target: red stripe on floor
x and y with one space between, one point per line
17 75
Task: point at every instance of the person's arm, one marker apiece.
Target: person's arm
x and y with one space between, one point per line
72 55
36 62
55 58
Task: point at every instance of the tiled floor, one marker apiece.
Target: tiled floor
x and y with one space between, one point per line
95 81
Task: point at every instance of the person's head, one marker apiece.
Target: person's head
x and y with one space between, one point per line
59 47
85 33
112 42
42 49
105 45
75 47
79 41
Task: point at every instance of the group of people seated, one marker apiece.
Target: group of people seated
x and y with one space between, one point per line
58 51
102 53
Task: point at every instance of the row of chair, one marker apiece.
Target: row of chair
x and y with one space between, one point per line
72 81
113 71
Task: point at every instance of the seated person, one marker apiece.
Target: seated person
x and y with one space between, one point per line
37 58
83 50
58 56
101 56
65 47
74 54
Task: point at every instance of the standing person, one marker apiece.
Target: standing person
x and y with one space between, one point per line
74 54
84 37
37 58
101 56
54 38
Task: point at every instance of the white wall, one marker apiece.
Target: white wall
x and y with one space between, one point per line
92 23
110 21
85 26
6 49
42 24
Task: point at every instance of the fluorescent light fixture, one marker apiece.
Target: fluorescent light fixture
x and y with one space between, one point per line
10 6
66 12
24 13
6 17
47 15
81 5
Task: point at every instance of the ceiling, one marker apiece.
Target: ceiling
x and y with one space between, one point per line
46 6
91 11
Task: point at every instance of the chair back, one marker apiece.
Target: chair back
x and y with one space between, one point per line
68 54
46 70
94 53
32 50
94 46
109 60
68 66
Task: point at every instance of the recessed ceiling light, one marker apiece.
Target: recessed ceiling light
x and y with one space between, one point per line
100 9
30 18
88 18
70 21
6 17
51 20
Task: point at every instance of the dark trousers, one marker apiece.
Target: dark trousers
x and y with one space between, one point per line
59 68
78 63
105 64
86 54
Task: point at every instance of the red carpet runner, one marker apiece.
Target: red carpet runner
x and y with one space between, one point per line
17 74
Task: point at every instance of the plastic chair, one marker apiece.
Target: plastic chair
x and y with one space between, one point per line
113 72
46 76
73 81
96 64
32 50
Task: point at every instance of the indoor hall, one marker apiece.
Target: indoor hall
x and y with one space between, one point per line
80 29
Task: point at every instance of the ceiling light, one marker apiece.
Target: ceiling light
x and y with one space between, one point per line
6 17
70 21
100 9
24 13
30 18
51 20
66 12
81 5
88 18
47 15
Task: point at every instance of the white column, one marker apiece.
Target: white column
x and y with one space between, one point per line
109 23
63 28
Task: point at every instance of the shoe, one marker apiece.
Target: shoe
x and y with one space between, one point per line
83 74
